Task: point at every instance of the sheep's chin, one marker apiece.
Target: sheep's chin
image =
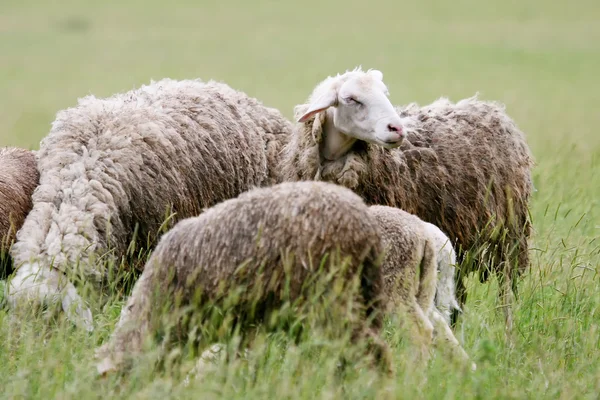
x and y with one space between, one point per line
388 145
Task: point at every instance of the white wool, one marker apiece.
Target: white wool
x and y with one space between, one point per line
445 297
111 164
33 282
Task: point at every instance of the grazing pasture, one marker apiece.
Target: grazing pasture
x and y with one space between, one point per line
540 58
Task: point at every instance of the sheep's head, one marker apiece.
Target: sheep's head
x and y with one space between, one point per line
360 107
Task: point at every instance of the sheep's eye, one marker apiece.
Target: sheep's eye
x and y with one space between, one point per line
352 100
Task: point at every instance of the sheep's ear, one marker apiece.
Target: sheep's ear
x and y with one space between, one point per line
323 102
376 74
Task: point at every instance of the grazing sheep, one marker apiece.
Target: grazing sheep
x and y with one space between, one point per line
411 248
112 170
287 227
18 179
464 167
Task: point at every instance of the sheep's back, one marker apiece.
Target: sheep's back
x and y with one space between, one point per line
180 144
451 171
462 159
306 220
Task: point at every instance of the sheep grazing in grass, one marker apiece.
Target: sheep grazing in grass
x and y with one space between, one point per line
411 249
113 170
18 179
275 232
463 167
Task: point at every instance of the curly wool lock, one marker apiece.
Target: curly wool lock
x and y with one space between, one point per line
300 222
18 179
464 167
113 167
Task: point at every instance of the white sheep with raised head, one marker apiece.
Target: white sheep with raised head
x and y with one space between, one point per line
464 167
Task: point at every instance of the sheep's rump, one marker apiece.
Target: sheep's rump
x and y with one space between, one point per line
113 169
18 179
464 167
405 242
270 240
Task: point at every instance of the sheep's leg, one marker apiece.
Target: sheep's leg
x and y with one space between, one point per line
138 316
33 282
422 302
425 333
415 323
421 331
442 331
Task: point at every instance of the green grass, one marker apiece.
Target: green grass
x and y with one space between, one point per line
540 58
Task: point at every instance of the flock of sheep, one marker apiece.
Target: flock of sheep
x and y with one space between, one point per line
412 199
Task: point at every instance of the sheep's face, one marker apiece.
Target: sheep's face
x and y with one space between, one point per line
360 108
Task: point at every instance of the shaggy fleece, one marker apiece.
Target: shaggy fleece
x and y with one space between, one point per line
18 179
112 170
270 240
464 167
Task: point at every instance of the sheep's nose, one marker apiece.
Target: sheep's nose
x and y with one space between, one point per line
397 129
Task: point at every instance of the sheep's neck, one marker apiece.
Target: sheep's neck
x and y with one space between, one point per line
335 143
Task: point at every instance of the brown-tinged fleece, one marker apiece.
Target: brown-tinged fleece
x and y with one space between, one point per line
113 169
287 227
410 277
464 167
18 179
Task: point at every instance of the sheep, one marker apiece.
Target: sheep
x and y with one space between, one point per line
18 179
411 248
464 167
113 170
286 227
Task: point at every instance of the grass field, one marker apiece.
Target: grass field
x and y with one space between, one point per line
540 58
